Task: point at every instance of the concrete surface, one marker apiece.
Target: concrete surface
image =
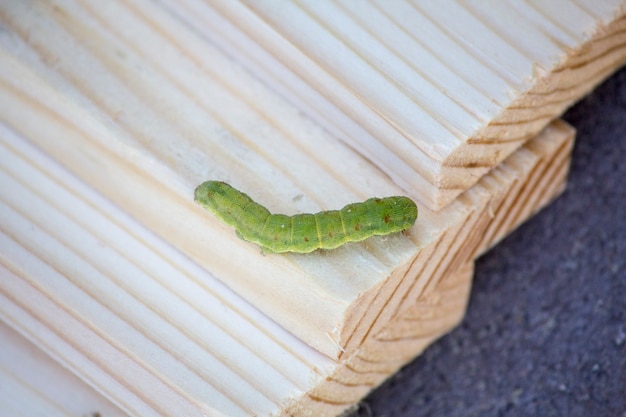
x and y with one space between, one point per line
545 332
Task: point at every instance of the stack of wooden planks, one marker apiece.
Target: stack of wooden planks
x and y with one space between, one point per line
113 113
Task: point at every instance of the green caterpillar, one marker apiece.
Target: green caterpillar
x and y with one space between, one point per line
305 233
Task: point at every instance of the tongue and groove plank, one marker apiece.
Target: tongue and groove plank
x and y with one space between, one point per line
321 299
404 328
435 96
33 384
136 318
141 108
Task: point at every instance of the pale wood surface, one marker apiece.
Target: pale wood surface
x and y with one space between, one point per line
33 384
454 235
518 189
126 311
435 96
146 148
159 336
141 109
108 264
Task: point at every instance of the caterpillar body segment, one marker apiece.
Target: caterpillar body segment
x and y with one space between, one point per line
303 233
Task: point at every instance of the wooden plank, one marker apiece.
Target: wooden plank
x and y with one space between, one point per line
460 241
157 334
143 110
425 322
33 384
435 96
179 135
441 304
128 312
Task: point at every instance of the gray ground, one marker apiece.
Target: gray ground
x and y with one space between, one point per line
545 332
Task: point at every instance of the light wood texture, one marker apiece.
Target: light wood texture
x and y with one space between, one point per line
158 335
33 384
435 96
125 310
113 113
402 339
143 110
437 300
88 78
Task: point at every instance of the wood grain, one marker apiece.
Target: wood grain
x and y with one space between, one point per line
157 334
416 321
34 384
112 115
405 83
